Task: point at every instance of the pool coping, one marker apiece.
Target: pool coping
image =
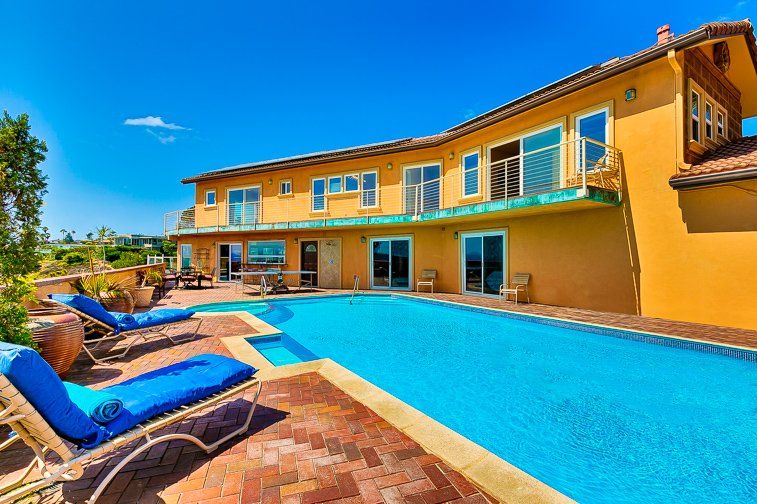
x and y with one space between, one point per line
491 473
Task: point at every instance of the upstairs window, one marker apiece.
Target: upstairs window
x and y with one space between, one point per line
210 197
335 185
369 190
721 123
285 187
318 195
470 174
708 131
695 122
593 126
351 182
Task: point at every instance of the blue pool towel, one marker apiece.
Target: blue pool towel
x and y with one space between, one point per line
167 388
123 318
88 306
37 381
156 318
101 407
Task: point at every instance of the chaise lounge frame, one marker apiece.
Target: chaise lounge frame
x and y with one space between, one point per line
107 333
33 429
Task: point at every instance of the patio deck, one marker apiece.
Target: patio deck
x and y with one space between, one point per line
309 442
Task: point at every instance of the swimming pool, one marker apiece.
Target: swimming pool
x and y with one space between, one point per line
599 418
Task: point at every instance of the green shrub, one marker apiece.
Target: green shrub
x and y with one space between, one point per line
128 259
75 258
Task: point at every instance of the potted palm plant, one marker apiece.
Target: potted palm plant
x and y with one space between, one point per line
110 293
143 294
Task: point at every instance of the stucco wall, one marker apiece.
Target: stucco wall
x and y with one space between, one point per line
62 285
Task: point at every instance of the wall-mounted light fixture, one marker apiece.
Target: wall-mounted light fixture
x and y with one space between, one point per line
455 235
270 181
296 240
451 156
388 166
363 239
630 94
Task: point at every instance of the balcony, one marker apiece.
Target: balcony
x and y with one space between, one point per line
578 174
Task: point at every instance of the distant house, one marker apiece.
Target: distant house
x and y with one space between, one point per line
138 240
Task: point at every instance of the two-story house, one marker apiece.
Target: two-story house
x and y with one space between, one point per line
624 187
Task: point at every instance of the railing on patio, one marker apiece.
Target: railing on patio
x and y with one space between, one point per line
169 261
577 163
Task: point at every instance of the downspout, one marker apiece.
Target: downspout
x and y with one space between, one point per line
678 111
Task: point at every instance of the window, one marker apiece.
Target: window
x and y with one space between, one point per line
186 255
210 197
594 127
721 122
335 185
708 131
369 190
285 187
695 133
244 205
422 188
318 191
351 182
266 252
470 174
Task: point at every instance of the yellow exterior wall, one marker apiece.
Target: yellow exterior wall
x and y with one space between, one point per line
662 253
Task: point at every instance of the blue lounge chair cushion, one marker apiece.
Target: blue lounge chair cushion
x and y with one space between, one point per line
87 306
167 388
123 318
156 318
39 384
101 407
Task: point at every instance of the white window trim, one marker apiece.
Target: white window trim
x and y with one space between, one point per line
463 172
328 184
422 165
218 258
259 187
181 255
577 126
721 112
281 185
410 283
708 103
215 198
697 117
247 252
344 182
313 195
361 190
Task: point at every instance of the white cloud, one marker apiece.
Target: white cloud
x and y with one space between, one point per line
154 122
162 138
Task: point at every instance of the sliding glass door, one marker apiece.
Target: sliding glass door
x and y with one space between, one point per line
483 262
229 260
391 263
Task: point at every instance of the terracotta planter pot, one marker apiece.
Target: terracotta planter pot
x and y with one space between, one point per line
123 303
142 296
60 336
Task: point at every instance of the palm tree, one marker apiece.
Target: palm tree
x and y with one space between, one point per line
90 236
63 233
104 232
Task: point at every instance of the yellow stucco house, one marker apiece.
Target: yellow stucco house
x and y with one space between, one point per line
625 187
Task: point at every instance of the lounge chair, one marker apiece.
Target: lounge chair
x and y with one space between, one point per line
519 284
35 404
106 326
208 277
427 278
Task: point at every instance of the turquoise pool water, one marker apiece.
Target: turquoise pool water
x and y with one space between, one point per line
600 418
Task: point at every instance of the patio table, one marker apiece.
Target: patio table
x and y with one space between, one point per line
276 281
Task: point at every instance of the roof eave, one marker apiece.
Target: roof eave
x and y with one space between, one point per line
711 179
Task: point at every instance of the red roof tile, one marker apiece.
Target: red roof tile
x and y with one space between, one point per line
739 154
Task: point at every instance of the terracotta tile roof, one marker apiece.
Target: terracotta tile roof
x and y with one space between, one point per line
569 84
736 155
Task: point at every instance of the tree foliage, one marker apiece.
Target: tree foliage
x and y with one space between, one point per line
22 186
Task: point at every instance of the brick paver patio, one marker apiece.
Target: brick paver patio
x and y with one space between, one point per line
309 442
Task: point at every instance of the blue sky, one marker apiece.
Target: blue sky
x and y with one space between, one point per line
246 81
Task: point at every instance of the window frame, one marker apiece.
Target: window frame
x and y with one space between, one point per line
721 112
281 187
420 166
182 256
708 104
313 180
578 135
695 118
339 178
375 189
344 182
215 198
464 172
247 254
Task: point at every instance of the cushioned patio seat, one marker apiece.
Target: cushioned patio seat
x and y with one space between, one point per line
156 318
